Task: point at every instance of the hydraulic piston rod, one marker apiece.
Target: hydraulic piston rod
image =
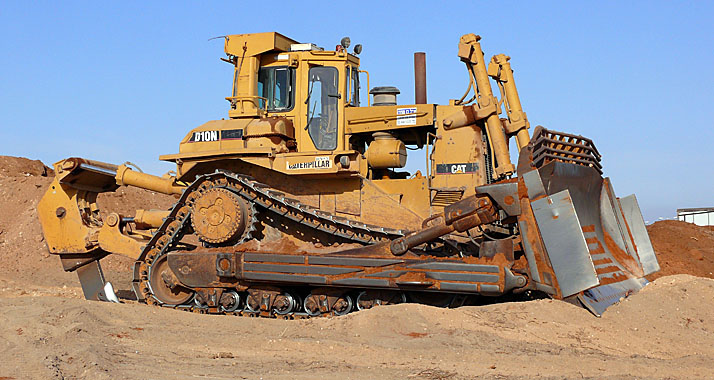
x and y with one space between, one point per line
470 52
500 69
460 216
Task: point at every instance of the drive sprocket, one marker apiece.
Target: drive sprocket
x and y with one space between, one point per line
219 216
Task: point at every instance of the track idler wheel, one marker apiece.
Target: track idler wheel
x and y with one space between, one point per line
220 216
165 286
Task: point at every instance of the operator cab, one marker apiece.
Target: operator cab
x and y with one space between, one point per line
277 77
295 108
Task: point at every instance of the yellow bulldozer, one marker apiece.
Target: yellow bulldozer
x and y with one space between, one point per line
295 205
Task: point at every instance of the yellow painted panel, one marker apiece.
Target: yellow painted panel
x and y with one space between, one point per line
382 118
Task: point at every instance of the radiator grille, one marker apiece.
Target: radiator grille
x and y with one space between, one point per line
443 198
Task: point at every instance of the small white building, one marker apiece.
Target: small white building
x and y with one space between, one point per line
703 216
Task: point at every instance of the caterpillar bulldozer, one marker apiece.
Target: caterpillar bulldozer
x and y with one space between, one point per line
295 205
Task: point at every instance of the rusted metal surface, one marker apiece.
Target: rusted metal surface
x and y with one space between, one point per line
564 242
401 245
488 275
220 216
505 194
607 232
164 284
539 265
633 216
460 216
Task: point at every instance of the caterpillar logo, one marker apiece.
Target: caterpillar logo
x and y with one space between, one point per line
465 168
321 162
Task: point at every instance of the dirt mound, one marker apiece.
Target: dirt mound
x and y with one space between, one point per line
23 252
22 167
682 248
663 332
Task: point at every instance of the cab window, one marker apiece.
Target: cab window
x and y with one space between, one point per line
322 99
352 86
355 87
275 84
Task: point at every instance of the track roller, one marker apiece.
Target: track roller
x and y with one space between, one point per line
230 301
329 301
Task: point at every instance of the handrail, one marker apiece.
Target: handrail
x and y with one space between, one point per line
369 101
247 98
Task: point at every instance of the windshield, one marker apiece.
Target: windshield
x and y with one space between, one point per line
275 84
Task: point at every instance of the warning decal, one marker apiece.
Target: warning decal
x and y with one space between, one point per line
406 116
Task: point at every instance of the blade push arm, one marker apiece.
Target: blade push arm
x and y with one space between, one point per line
460 216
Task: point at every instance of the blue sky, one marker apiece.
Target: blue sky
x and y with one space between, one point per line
126 81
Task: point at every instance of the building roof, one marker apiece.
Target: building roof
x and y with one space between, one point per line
700 209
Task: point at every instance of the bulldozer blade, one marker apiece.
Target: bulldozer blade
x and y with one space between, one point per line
633 216
596 243
565 243
599 298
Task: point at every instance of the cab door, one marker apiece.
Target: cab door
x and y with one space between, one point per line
323 104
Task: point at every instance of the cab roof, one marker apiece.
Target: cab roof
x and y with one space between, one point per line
256 43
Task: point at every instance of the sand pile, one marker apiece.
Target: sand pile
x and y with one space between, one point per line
663 332
682 248
23 253
23 167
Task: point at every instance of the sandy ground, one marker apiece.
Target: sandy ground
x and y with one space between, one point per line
663 332
48 331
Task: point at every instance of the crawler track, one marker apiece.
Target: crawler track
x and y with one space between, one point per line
261 198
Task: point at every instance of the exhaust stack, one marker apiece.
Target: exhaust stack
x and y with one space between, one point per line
420 78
